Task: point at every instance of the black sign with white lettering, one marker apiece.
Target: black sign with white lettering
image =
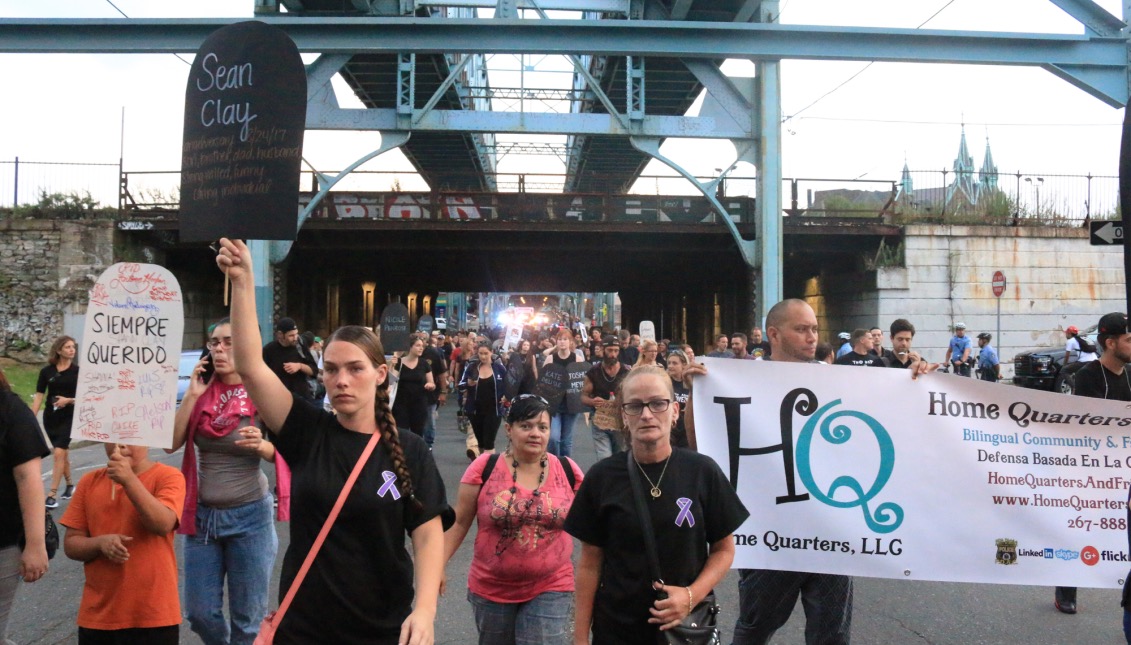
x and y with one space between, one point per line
577 373
553 381
426 324
394 328
1104 233
245 115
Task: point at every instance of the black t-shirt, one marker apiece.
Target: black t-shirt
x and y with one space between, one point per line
439 364
53 383
867 360
1096 381
360 587
679 432
20 442
604 515
411 405
275 355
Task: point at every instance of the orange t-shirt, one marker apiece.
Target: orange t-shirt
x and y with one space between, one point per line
143 591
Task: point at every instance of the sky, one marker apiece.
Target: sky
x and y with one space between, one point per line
69 108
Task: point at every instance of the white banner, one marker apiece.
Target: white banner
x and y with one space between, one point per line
131 351
942 478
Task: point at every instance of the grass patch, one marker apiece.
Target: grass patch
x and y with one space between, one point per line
22 377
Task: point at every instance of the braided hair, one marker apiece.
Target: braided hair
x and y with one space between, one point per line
367 341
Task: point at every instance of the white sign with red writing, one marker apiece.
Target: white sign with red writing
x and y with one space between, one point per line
128 361
940 478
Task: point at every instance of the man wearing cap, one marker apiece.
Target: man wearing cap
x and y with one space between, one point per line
1073 346
599 391
290 361
958 352
1106 378
989 367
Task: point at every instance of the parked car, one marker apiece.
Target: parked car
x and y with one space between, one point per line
189 358
441 323
1043 368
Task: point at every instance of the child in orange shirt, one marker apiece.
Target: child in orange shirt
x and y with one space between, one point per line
120 524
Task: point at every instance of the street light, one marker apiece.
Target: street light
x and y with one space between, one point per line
1036 185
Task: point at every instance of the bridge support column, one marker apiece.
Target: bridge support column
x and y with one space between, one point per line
768 204
264 287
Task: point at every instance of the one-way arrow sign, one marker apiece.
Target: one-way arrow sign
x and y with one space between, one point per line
1104 233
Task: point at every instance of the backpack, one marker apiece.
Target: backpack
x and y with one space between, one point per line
567 466
1086 346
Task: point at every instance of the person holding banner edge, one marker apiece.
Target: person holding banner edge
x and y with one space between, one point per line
766 597
1106 378
363 586
692 510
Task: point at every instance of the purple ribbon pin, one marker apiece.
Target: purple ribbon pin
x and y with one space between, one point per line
390 486
685 516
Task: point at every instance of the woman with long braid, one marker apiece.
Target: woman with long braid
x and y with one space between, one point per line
360 588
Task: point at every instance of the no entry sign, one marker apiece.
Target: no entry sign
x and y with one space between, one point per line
998 284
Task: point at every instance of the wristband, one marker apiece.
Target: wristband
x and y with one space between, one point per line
690 600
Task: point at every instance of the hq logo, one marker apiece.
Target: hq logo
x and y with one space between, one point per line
827 425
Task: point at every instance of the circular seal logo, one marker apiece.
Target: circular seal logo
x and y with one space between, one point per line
1090 556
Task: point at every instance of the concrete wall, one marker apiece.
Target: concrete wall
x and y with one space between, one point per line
46 269
1055 279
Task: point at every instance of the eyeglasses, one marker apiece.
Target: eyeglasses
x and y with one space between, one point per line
636 408
213 343
520 397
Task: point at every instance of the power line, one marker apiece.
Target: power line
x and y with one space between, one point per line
111 3
861 71
970 123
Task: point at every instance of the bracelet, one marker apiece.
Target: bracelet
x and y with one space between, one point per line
690 599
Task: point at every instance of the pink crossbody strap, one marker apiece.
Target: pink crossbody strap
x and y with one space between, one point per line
278 617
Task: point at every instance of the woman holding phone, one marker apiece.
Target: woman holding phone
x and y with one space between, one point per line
229 533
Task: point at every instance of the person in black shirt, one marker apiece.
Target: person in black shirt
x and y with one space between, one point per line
415 382
363 586
55 391
22 450
861 351
693 511
1106 378
290 361
878 346
902 333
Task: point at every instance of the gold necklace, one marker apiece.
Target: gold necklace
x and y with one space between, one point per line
655 491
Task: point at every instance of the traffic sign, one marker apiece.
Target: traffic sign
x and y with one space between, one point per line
1104 233
998 283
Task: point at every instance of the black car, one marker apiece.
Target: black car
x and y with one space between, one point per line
1043 368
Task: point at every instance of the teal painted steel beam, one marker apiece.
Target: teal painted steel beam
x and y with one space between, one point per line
1102 57
1094 17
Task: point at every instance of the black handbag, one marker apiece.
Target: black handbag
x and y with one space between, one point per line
701 626
51 538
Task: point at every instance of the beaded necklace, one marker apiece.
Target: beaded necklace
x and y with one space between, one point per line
512 525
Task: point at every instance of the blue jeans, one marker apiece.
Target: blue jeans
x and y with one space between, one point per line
430 425
238 544
542 620
561 434
607 442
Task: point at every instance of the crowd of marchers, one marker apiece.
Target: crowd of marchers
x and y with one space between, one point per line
349 431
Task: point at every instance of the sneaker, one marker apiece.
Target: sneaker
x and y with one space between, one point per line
51 502
68 492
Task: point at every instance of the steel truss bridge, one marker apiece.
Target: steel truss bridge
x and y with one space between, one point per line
419 67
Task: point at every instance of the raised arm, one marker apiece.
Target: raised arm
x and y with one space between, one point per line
271 397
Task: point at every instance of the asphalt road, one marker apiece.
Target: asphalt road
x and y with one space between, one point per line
886 611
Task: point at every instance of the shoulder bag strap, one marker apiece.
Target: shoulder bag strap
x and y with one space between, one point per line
361 461
645 517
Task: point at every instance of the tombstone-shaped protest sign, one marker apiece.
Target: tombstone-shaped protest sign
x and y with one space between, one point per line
513 338
426 324
577 373
245 115
516 373
647 330
394 328
553 381
129 358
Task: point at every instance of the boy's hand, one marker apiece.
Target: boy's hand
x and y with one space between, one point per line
113 547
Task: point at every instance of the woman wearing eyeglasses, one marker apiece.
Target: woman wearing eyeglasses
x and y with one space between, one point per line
227 520
521 581
693 513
